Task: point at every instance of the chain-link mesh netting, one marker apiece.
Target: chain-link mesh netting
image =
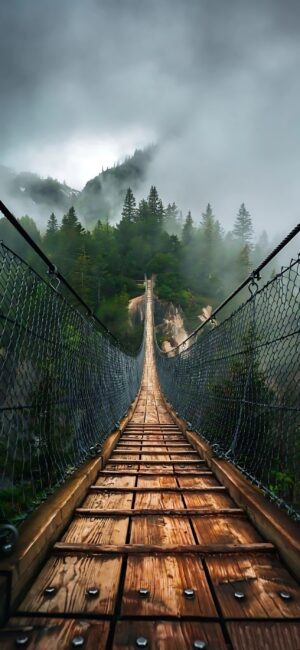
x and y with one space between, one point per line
238 385
63 387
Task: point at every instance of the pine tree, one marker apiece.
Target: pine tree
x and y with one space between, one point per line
243 229
153 200
51 235
188 230
129 207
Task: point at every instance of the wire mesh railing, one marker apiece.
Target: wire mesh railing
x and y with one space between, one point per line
237 383
64 385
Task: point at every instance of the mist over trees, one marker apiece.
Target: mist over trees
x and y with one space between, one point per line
195 262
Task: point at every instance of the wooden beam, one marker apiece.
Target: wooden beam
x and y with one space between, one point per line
148 549
154 462
107 488
113 472
150 512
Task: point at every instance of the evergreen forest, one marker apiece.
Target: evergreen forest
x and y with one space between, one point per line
195 262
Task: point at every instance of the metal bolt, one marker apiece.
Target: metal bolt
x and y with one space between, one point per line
143 591
200 645
22 640
189 593
239 595
92 592
285 595
141 642
78 641
49 591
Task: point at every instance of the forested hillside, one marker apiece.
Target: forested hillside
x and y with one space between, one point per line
194 265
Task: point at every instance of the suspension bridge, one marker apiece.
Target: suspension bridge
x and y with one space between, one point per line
154 498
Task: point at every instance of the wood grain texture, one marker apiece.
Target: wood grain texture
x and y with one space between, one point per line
198 481
161 530
260 577
225 530
209 500
166 577
115 481
95 530
163 500
115 501
156 481
72 576
54 633
168 636
264 636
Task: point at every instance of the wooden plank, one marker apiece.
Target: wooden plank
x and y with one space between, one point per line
109 481
72 576
53 633
97 530
166 576
198 481
158 481
145 549
115 501
261 578
188 512
164 500
225 530
264 636
210 499
165 635
161 530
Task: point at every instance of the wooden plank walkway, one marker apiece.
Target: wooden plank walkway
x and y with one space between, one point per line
159 556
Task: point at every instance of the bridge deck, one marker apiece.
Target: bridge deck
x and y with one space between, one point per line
159 556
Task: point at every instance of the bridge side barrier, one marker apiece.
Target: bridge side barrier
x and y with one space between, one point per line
64 386
236 383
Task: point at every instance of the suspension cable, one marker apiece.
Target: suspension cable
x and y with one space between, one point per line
254 275
52 269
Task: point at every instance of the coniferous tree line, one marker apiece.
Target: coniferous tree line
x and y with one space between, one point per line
195 264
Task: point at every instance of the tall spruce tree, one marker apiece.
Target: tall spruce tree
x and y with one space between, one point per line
129 207
243 229
188 230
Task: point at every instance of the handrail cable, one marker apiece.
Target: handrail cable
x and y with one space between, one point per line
52 269
254 275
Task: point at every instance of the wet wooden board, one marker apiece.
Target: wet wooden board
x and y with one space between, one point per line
197 481
166 577
115 481
54 633
225 530
261 578
109 500
72 576
209 500
163 635
95 530
156 481
163 500
264 636
161 530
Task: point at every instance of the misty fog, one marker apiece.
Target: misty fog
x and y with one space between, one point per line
215 84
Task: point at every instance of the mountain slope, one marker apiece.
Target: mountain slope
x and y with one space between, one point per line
101 198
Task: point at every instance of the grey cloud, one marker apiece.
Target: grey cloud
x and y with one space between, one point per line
215 83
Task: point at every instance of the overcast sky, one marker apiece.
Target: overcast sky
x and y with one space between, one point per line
215 82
